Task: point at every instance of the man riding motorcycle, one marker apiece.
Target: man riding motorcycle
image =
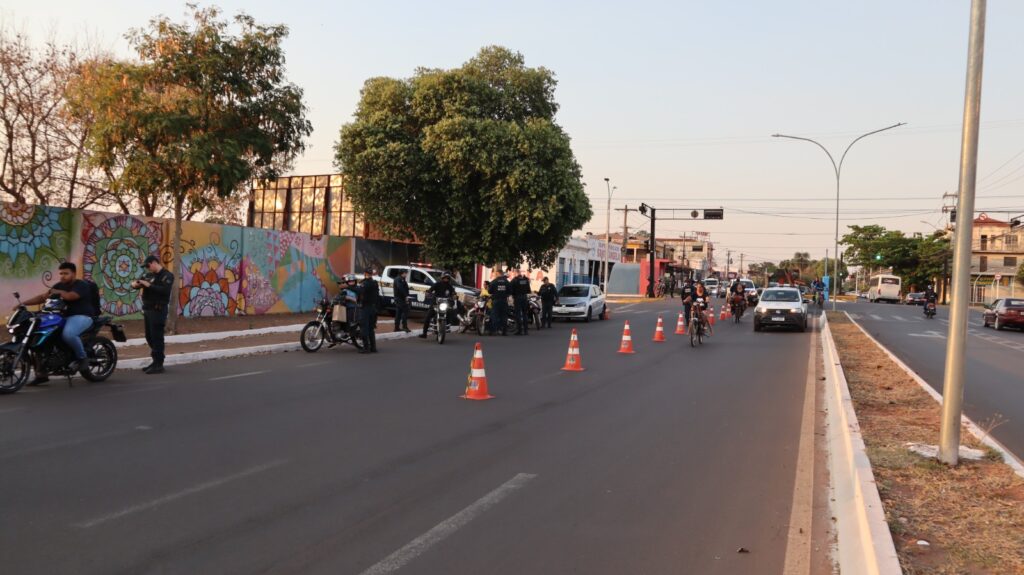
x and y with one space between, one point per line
441 289
738 297
930 298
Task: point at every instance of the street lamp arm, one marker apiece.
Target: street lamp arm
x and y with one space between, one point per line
823 149
861 137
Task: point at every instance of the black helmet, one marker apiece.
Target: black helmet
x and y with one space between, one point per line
349 278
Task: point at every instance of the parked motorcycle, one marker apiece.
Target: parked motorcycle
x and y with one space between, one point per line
36 341
476 318
439 324
329 327
929 310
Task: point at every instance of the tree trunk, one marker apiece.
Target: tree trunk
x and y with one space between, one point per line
172 307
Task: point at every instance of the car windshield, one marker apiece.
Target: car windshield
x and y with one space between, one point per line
915 294
1014 303
780 295
574 291
747 284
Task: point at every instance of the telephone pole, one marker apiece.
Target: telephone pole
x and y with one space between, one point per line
625 226
740 272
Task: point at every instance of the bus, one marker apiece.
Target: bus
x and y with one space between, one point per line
884 287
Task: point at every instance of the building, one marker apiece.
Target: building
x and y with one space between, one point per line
997 252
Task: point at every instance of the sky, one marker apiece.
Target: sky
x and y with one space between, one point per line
675 102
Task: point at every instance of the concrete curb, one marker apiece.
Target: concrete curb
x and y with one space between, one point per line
213 335
864 541
198 356
1008 457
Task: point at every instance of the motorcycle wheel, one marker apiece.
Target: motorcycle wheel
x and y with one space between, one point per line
312 337
440 332
479 324
13 377
103 361
693 334
536 322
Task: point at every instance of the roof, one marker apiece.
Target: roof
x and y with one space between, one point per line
985 220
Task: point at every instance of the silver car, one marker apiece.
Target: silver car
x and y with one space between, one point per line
579 301
781 307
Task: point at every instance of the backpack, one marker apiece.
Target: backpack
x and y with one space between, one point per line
94 297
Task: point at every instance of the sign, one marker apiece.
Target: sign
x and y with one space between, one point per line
999 277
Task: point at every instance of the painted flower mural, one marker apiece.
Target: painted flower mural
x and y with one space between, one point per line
33 239
114 247
210 286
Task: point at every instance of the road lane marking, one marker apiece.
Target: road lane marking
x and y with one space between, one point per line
315 363
444 529
223 377
178 495
798 542
150 387
899 318
11 410
62 444
876 317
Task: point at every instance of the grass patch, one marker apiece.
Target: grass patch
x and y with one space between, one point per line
972 515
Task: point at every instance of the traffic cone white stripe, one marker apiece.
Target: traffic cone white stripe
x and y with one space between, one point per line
478 373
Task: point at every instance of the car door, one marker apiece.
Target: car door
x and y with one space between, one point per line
990 311
597 298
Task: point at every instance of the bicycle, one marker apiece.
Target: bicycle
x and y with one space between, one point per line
699 325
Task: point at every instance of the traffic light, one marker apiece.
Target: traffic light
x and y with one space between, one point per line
878 257
715 214
952 216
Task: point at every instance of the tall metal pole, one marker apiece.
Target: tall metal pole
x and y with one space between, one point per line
953 381
607 235
654 248
838 168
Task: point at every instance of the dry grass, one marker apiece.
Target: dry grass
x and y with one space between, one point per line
972 515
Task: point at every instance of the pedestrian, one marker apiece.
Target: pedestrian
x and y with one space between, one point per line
520 297
369 297
548 297
500 290
156 285
401 292
686 294
79 298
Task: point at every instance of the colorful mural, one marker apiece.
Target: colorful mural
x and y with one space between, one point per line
225 270
113 247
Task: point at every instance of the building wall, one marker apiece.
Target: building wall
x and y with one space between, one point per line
225 270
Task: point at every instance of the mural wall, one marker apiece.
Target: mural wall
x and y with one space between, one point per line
225 270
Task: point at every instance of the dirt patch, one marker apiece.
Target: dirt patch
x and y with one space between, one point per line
972 516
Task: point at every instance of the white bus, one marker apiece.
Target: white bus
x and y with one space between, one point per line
884 287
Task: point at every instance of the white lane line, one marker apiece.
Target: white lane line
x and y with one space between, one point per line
65 444
156 387
444 529
876 317
237 375
11 410
315 363
899 318
178 495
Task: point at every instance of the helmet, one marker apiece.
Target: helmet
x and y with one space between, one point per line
349 278
446 275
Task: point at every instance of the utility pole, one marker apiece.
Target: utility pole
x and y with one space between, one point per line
953 380
625 227
740 272
728 260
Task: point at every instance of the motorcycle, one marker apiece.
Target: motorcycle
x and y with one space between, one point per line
535 310
36 341
329 327
439 322
737 306
476 318
929 310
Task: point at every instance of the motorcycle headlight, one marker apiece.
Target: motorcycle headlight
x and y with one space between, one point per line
444 306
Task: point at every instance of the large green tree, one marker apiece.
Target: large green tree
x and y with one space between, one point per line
204 110
919 260
469 161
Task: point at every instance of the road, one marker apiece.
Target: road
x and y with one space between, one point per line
667 461
994 362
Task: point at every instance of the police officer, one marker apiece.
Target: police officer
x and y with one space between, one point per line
401 292
156 288
548 297
520 297
686 294
442 289
500 290
369 297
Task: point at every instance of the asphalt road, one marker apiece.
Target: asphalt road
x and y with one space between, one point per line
667 461
993 368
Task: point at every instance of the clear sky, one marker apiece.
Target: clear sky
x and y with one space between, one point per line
675 102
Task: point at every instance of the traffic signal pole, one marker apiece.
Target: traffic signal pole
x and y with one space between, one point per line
953 380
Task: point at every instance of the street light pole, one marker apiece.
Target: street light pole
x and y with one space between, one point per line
838 168
607 235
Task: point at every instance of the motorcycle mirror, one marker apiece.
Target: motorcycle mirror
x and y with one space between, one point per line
17 295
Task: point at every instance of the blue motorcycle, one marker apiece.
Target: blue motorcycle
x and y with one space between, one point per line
36 341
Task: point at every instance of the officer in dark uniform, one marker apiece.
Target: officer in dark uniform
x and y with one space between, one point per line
401 293
369 297
520 292
686 294
548 297
156 285
500 290
444 290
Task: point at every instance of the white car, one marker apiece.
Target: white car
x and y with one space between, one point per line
781 307
579 301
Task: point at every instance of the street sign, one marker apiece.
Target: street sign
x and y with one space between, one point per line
999 277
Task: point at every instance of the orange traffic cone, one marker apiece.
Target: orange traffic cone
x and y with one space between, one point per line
476 387
627 341
680 326
722 316
711 315
659 332
607 313
572 359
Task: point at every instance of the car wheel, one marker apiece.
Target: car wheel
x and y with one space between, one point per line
590 312
757 325
998 325
604 312
803 327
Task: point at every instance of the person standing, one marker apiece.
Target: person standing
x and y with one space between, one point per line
500 290
401 292
79 298
686 294
369 296
156 286
548 297
520 297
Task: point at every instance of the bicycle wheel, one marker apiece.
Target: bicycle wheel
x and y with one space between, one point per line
693 333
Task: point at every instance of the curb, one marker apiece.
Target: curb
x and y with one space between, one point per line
1008 457
864 541
198 356
212 335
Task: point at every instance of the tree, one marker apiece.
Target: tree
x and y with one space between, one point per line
469 161
201 114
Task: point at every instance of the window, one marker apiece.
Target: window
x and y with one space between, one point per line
573 291
309 204
984 243
418 277
1010 262
890 281
697 248
983 263
1011 241
393 272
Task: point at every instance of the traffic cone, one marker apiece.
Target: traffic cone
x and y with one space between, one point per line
607 313
476 385
680 326
627 341
711 315
722 315
572 359
659 332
